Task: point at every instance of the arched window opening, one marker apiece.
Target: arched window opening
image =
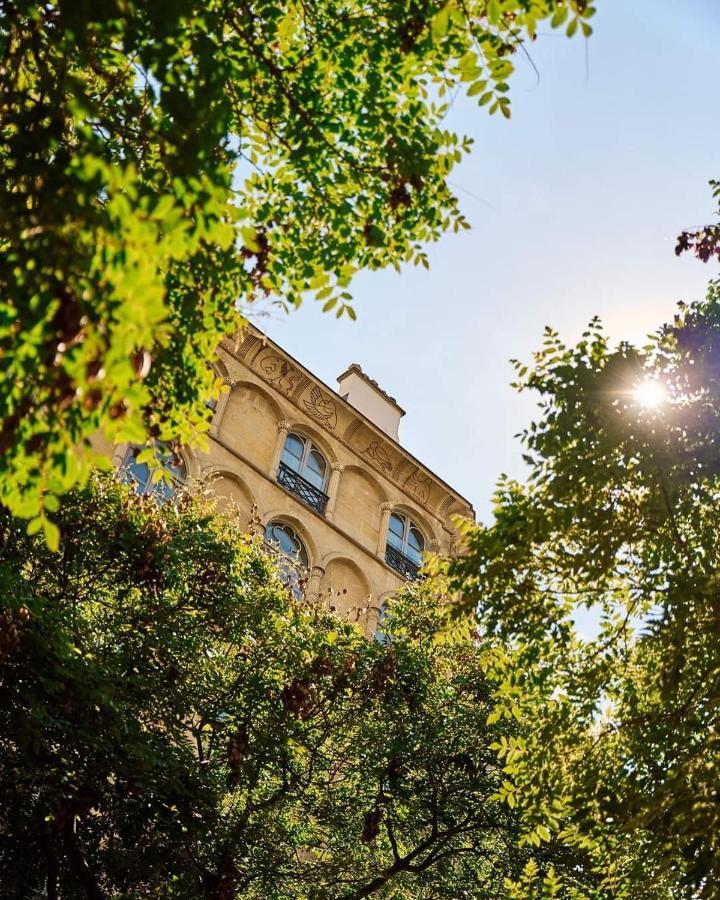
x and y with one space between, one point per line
381 635
290 555
303 471
405 546
136 471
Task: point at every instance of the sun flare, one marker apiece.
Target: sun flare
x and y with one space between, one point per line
650 394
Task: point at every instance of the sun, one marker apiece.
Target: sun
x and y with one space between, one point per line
650 394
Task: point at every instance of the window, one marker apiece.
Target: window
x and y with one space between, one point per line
290 554
303 471
405 546
139 474
381 635
303 457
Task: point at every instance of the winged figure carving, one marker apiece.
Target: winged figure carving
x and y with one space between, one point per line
419 484
322 408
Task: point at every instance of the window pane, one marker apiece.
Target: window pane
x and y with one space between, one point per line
293 452
172 463
136 473
288 542
140 475
415 544
415 539
314 469
396 532
380 634
293 557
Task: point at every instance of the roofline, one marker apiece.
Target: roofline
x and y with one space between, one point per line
362 415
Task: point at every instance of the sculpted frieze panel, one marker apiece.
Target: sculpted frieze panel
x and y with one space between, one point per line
419 485
403 469
321 408
379 455
280 374
246 342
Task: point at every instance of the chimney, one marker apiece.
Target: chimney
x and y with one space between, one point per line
370 399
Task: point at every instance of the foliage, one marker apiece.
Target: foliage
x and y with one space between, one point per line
173 722
704 243
619 520
165 164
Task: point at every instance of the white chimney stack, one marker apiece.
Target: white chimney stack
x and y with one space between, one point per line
370 399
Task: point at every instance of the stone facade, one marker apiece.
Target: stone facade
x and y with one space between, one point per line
368 475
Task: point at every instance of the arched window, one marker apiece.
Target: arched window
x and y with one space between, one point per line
405 546
303 471
140 475
291 555
381 635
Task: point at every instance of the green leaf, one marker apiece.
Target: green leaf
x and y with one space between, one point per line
52 534
441 22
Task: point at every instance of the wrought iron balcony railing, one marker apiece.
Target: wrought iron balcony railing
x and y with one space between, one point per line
402 564
302 488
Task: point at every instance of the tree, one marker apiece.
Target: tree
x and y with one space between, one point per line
619 516
704 243
164 164
173 722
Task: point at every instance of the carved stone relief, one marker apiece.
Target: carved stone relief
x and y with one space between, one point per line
322 408
247 344
419 484
354 425
445 506
284 377
403 469
376 452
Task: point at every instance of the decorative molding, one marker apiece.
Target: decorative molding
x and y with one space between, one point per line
322 408
376 452
352 428
444 507
403 467
247 345
302 384
280 374
419 485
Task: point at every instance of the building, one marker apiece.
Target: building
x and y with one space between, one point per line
323 474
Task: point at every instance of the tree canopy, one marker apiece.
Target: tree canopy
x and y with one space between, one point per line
618 520
174 722
165 164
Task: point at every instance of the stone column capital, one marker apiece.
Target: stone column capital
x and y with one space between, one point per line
284 425
387 506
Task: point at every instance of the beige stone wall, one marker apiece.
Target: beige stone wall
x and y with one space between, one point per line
370 475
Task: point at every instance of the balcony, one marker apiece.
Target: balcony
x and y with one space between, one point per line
302 488
402 564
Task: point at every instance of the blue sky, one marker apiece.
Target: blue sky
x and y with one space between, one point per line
575 204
